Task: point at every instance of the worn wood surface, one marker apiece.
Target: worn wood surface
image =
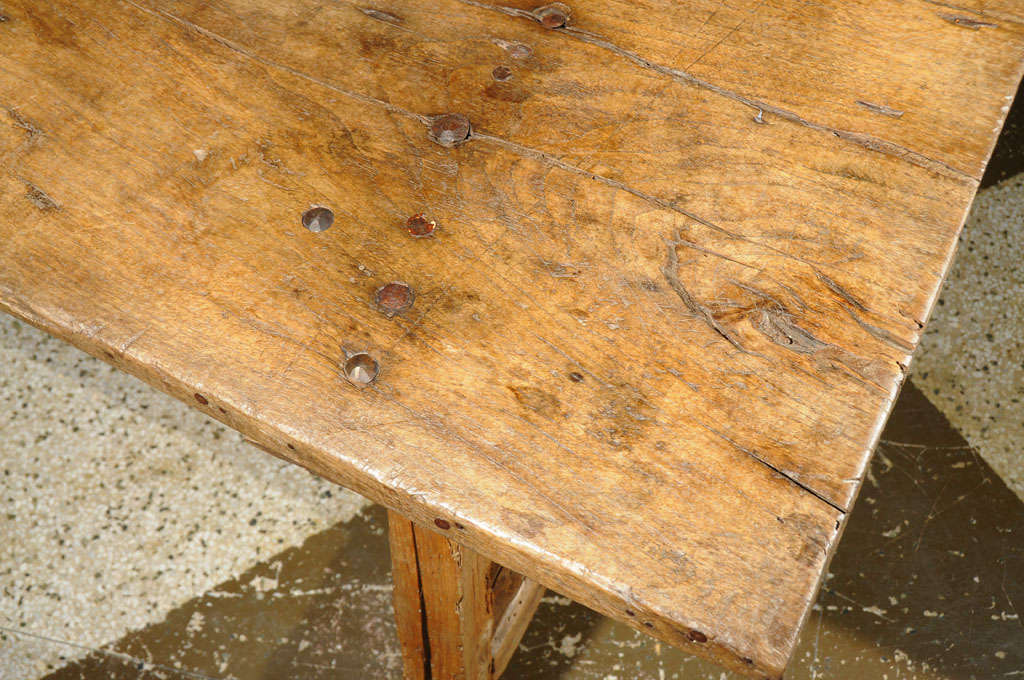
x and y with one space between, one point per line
678 272
455 618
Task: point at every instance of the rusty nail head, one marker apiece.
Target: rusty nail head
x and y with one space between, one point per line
361 369
394 298
419 226
450 129
555 15
501 73
318 218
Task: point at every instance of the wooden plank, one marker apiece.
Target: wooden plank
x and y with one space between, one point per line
653 339
886 73
669 156
513 621
450 623
408 598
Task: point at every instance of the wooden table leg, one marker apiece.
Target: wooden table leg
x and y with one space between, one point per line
460 616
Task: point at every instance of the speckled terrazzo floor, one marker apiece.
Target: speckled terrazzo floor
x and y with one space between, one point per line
120 503
971 360
159 545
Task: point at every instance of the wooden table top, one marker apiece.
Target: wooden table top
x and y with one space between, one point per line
674 280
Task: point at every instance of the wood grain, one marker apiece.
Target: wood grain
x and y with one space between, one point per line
408 599
655 334
451 624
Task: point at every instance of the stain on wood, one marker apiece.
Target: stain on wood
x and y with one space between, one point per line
683 206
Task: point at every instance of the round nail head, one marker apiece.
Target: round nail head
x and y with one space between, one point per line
361 369
420 226
394 298
520 51
318 218
552 16
450 129
501 73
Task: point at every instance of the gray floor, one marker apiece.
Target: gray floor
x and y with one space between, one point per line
159 545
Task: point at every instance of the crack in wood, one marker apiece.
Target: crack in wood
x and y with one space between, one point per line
691 303
776 324
880 109
781 473
967 22
861 139
840 291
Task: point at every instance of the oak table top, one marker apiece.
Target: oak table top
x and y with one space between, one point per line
660 271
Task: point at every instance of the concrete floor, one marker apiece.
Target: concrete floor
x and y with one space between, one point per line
159 545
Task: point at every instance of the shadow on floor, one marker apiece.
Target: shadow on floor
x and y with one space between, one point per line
926 584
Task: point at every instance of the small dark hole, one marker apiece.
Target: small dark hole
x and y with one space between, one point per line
201 399
630 612
318 218
291 446
648 624
576 377
697 636
442 524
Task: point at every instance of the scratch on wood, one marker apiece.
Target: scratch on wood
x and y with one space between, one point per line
987 12
840 291
234 47
24 123
880 108
40 198
381 15
622 186
967 22
881 334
